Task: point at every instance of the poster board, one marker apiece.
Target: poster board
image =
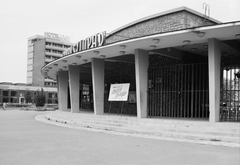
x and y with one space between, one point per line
119 92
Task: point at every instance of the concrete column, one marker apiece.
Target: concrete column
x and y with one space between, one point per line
141 69
62 90
73 73
58 95
214 63
98 85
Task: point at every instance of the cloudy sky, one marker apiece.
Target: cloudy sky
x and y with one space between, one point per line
78 19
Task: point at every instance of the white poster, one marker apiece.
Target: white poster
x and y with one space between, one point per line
119 92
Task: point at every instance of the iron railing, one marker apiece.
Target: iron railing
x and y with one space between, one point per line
230 94
179 91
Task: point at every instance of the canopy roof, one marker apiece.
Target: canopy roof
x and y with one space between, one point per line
187 39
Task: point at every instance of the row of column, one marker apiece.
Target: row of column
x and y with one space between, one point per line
72 78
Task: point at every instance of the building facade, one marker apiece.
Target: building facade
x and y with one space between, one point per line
41 51
16 93
179 64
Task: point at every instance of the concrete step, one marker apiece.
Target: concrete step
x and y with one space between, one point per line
149 132
171 124
157 127
148 120
227 132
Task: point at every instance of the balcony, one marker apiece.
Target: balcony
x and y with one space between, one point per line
53 54
55 47
49 80
48 59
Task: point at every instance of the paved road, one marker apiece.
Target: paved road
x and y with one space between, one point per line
25 141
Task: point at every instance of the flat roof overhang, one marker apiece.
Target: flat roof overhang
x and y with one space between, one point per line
221 32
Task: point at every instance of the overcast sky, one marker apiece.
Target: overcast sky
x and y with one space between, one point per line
78 19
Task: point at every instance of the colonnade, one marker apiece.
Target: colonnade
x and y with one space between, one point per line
71 78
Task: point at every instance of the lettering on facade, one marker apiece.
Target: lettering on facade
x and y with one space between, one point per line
88 43
57 36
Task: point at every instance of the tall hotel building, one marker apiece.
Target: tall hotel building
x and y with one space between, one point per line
41 51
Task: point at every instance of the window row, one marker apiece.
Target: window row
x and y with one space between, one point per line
57 45
35 40
50 84
54 51
51 57
16 100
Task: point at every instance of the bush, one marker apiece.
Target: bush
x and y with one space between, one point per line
40 98
28 96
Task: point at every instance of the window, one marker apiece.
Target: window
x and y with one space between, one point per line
5 93
29 73
30 60
34 40
66 46
13 93
57 45
29 67
29 80
50 95
57 51
5 100
48 57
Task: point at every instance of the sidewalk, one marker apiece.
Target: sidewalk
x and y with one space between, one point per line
24 141
146 128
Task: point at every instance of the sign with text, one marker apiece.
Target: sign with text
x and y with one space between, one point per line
94 41
57 36
119 92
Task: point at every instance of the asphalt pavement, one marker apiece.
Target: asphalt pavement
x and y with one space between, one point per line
25 141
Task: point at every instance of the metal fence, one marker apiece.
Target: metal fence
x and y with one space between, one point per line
179 91
230 94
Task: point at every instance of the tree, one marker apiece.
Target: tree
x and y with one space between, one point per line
28 96
40 98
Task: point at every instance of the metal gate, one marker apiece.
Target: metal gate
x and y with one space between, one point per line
179 91
230 94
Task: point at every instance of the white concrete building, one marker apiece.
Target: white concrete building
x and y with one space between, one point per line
16 93
41 51
185 66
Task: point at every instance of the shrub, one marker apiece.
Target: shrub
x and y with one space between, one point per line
28 96
40 98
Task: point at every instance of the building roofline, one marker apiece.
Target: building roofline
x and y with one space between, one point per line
36 36
162 14
130 44
12 86
50 39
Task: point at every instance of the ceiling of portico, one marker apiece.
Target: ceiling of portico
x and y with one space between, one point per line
85 70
